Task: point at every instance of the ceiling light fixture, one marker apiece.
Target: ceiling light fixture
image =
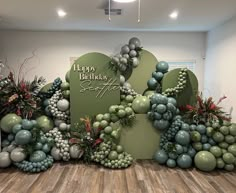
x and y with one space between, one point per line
124 1
61 13
174 15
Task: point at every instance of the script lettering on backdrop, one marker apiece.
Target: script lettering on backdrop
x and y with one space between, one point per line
88 76
93 86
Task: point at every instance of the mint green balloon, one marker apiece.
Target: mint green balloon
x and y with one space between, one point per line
44 123
8 122
23 137
205 161
141 104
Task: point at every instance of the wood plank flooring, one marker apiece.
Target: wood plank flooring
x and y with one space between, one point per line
142 177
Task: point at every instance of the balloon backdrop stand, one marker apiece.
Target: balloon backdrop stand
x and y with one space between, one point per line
111 111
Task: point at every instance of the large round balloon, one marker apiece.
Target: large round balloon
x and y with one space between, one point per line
45 123
5 160
55 153
184 161
162 67
8 122
205 161
23 137
63 105
182 137
37 156
161 157
18 155
141 104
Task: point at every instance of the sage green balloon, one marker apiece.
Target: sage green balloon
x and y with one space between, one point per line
216 151
44 123
5 160
205 161
8 122
141 104
65 86
232 149
228 158
220 163
232 129
229 167
18 155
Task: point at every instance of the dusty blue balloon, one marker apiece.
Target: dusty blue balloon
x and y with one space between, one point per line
157 116
182 137
193 127
191 151
171 163
157 75
206 146
204 138
171 107
211 141
152 83
172 101
161 108
27 124
37 156
173 155
185 127
46 102
161 124
179 149
162 66
16 128
201 129
161 156
23 137
184 161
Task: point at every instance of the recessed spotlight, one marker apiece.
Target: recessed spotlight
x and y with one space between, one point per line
124 1
174 15
61 13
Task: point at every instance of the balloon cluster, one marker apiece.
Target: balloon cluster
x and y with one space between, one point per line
182 81
39 162
61 144
126 88
154 83
59 107
128 57
176 146
111 155
163 110
55 87
216 145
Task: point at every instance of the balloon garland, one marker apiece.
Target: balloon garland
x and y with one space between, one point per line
33 145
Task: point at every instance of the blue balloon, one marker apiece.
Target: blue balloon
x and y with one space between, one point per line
152 83
171 163
204 139
191 151
182 137
157 116
172 101
201 129
162 66
161 124
157 75
206 146
173 155
184 161
179 149
27 124
161 156
185 127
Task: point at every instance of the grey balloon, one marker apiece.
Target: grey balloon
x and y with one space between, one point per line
55 153
5 160
135 41
18 155
135 62
125 49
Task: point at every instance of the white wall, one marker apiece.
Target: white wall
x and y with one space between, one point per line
53 49
220 66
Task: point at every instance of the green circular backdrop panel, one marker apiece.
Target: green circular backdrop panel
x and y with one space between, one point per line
143 72
188 95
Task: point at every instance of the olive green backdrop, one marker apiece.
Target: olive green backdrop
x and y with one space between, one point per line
86 103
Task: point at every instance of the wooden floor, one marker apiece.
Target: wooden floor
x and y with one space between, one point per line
141 177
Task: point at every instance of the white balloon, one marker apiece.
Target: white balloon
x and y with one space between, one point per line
5 160
18 155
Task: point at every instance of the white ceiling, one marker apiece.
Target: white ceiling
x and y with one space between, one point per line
194 15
